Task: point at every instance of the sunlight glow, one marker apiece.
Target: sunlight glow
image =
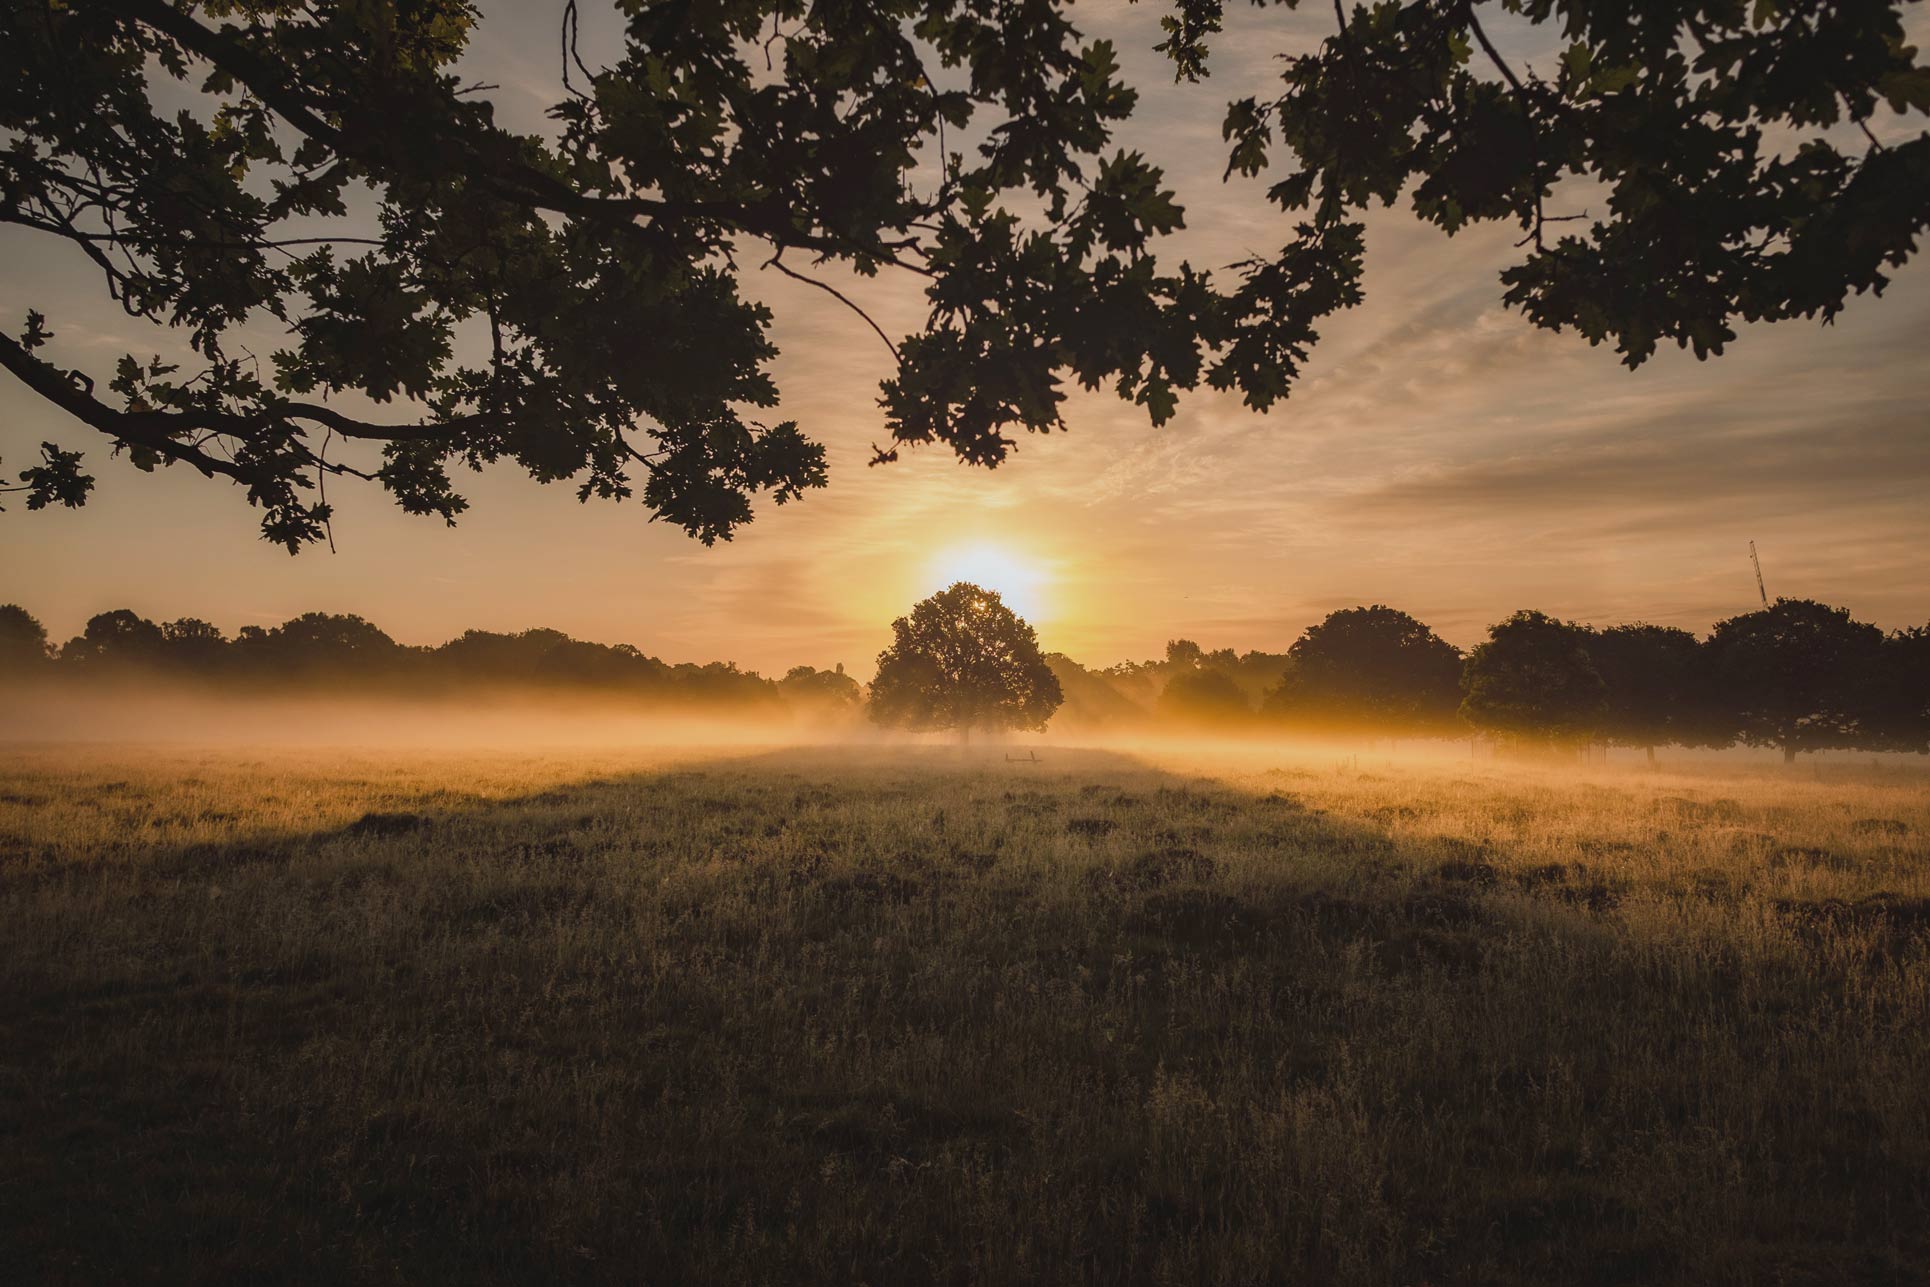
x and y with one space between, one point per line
1019 582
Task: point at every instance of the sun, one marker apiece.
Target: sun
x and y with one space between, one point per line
1019 581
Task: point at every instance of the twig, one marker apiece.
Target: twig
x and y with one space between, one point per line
321 486
569 52
776 261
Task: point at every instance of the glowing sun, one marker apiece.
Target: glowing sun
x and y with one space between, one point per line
1019 583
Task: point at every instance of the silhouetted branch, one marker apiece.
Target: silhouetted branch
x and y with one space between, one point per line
1527 113
496 168
776 261
137 428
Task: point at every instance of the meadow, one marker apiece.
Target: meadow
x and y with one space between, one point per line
892 1015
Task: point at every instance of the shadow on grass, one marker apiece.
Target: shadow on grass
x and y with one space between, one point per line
884 1017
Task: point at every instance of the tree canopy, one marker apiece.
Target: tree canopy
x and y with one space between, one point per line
1798 674
1901 713
1370 668
962 660
1203 698
1534 679
812 689
1705 181
1652 684
23 640
453 292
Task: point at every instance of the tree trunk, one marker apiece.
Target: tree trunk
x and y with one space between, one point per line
1651 751
1789 753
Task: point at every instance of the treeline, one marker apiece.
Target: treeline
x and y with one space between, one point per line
326 651
1798 675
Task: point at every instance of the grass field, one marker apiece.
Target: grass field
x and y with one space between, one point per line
896 1016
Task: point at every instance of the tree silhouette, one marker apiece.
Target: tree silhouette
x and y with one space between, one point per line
1373 668
1092 699
574 304
603 266
118 638
1798 675
483 655
1653 687
962 660
23 640
1662 106
1184 653
820 692
1534 679
1902 708
1203 698
193 644
576 663
316 643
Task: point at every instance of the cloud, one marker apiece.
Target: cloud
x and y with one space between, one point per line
1680 475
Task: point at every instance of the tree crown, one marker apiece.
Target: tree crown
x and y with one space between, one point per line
1534 678
963 660
1373 665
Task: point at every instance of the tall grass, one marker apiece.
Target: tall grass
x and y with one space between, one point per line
900 1016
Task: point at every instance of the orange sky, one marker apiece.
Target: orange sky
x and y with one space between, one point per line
1441 455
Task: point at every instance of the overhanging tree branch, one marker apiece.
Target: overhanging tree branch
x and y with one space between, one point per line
137 428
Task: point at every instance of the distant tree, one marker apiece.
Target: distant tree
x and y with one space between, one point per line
820 692
483 655
1375 669
333 635
321 642
1257 673
593 665
1204 698
1902 708
962 660
120 637
1653 687
1092 699
1534 679
1798 675
1141 682
720 684
1183 653
192 644
23 640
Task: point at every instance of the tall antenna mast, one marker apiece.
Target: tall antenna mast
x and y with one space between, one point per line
1757 564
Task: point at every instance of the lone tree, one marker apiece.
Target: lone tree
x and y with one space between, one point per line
1375 669
961 661
1799 675
1534 679
455 293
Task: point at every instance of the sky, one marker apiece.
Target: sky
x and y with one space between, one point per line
1439 454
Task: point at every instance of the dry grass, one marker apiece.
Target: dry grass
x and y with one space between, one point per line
889 1016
